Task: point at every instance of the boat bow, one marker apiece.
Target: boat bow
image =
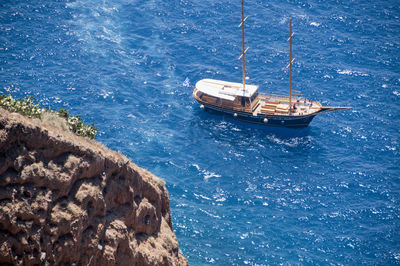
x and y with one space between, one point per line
326 109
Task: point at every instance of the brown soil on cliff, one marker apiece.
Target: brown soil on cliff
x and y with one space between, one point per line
65 199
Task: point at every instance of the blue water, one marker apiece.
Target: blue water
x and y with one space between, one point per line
240 194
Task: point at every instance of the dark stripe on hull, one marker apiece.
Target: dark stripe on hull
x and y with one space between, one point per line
267 120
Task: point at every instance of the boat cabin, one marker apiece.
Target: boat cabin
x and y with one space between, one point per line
226 94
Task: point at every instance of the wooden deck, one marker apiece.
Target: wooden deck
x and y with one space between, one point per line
279 105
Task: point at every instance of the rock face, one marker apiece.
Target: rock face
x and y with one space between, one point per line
65 199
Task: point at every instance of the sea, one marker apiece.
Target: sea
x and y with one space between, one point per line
240 194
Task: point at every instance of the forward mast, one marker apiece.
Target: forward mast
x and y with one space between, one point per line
243 50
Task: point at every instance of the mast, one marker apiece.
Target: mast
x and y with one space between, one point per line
243 51
290 67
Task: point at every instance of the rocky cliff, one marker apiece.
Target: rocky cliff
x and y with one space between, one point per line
65 199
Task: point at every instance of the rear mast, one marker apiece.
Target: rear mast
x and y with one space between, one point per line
290 67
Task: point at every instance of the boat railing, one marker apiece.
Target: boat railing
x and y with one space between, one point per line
277 97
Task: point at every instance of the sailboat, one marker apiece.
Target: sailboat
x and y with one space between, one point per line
243 101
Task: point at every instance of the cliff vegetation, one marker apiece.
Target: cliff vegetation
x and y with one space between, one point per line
30 108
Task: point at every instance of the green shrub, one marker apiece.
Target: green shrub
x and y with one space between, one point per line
26 107
29 107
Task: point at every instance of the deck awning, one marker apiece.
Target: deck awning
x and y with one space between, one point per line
224 89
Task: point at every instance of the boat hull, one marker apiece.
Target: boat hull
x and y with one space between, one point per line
263 119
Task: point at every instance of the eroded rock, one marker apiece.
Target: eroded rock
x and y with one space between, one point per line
65 199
